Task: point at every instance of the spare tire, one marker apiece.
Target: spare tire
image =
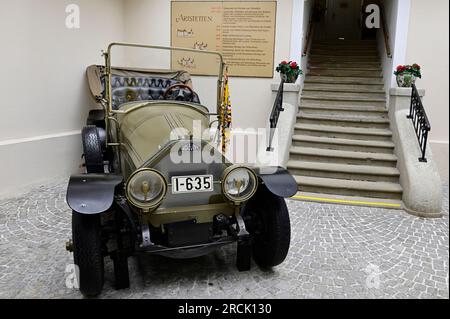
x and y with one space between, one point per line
92 147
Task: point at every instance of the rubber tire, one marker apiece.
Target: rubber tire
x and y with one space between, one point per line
97 118
87 253
271 247
121 274
92 147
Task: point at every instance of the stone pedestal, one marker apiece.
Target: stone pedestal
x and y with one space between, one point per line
422 188
282 139
291 93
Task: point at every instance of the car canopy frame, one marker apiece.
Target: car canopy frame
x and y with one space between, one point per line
107 102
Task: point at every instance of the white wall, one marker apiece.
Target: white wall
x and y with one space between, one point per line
149 22
43 63
45 98
307 10
418 33
297 30
390 13
428 45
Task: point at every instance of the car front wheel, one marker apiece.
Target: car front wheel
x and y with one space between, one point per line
267 220
87 253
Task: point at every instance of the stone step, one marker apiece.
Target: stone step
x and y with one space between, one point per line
351 110
336 100
339 42
341 88
344 73
342 58
355 95
383 190
344 51
353 145
346 67
355 133
349 200
344 80
319 155
354 49
343 120
369 173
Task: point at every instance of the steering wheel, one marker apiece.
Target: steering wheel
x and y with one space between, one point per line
180 96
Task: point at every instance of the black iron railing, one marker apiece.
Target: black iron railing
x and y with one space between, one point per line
420 121
277 108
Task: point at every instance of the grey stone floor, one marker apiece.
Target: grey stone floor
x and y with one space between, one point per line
336 252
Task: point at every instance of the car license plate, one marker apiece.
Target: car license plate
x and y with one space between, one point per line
191 184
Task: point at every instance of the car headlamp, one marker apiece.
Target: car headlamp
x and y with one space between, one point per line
239 183
146 188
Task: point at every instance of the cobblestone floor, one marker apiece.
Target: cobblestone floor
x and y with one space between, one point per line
336 252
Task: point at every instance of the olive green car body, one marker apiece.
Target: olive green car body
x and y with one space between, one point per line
133 132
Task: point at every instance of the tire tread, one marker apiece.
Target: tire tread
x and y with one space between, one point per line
274 250
92 148
87 253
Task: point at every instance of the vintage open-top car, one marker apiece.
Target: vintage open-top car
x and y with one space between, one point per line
151 186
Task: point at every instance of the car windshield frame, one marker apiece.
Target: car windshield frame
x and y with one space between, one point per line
108 70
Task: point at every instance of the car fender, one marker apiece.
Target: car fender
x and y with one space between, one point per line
277 180
92 193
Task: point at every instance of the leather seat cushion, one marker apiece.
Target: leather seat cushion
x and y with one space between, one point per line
128 89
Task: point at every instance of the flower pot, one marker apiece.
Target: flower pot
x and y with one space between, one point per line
289 78
405 80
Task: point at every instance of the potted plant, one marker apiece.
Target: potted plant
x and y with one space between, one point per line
406 75
289 71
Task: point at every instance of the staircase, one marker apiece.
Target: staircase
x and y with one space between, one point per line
342 145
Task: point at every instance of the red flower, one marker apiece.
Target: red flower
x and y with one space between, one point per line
416 66
294 65
283 62
400 68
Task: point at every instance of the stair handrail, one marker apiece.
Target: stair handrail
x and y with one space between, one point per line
420 121
275 114
309 34
385 31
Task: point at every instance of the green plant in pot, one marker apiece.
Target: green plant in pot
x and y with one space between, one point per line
289 71
406 75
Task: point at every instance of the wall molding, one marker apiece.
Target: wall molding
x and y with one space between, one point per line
38 138
38 159
439 142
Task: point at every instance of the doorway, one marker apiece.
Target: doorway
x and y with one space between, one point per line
339 19
343 20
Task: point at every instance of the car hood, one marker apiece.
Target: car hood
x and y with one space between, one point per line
147 127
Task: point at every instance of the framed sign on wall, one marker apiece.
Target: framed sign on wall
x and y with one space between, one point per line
243 31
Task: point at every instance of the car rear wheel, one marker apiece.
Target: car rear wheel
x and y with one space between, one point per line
87 253
267 220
